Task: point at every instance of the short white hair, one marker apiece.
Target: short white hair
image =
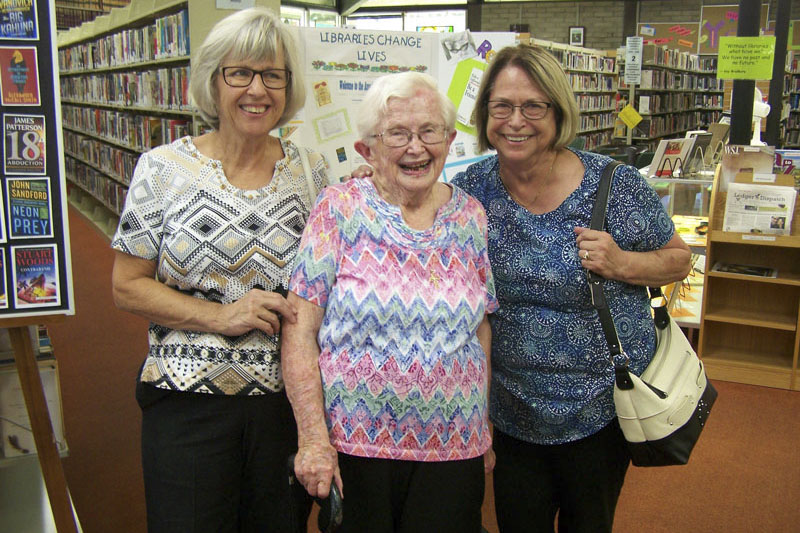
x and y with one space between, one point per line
254 34
375 105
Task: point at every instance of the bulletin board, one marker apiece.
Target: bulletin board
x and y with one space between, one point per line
681 36
35 271
721 21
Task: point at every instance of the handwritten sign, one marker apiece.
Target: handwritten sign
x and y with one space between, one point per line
746 58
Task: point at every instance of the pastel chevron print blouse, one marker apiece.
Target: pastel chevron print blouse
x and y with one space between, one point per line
403 373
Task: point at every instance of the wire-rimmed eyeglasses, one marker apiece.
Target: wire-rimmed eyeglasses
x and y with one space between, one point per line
273 78
399 137
530 110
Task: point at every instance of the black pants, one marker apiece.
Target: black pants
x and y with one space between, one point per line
218 463
388 496
580 481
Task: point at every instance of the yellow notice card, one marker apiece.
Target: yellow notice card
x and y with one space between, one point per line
745 58
630 116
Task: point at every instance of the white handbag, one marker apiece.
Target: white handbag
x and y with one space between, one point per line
663 411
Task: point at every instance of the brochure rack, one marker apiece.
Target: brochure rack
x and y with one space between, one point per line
750 326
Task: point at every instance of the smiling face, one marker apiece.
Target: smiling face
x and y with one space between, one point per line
516 138
410 170
251 111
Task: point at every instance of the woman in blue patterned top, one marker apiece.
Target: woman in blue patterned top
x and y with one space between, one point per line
204 250
558 445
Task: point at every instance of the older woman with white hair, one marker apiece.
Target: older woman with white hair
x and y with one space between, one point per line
386 365
204 250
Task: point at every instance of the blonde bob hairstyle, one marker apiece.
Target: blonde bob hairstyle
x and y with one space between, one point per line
255 34
374 107
544 70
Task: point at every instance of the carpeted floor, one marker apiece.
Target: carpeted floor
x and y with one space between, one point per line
744 475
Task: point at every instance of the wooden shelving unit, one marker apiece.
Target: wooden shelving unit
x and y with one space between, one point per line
750 325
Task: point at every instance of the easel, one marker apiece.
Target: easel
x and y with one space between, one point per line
49 460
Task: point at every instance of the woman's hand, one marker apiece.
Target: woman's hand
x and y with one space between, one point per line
257 309
315 465
489 459
599 253
361 172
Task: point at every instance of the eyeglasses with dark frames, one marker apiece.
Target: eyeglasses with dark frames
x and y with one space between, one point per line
399 137
272 78
530 110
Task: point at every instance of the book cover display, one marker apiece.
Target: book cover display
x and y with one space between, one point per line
35 273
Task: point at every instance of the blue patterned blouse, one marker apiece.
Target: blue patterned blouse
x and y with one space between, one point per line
551 375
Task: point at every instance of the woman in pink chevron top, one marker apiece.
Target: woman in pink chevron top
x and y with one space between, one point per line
386 367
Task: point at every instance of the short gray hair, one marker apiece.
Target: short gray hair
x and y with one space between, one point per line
255 34
402 85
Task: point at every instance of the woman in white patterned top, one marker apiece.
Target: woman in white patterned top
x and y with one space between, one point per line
204 250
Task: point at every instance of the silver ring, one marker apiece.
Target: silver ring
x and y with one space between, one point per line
586 255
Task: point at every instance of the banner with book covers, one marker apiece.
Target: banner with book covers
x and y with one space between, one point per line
35 264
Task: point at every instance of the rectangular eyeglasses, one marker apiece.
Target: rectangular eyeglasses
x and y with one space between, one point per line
272 78
530 110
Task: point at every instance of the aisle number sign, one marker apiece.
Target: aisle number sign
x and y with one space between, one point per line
746 58
633 60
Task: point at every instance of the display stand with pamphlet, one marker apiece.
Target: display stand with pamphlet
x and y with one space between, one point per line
751 299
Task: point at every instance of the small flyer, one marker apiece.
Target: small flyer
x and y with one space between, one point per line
25 150
3 289
753 208
35 276
18 20
29 208
19 76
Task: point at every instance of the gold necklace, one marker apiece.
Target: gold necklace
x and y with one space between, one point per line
527 205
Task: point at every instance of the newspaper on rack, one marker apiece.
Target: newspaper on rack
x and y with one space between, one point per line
754 208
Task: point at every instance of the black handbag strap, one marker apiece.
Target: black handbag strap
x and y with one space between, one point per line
596 281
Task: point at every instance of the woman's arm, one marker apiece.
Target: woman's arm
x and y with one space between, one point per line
484 335
136 290
316 462
659 267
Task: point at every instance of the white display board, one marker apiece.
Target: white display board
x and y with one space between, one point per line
340 65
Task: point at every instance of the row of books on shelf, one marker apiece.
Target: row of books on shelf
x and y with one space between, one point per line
708 100
116 162
591 82
663 125
107 191
665 103
596 121
656 55
133 130
707 63
709 83
595 102
794 101
572 60
167 37
166 88
596 139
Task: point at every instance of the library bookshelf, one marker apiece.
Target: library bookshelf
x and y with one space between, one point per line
124 89
593 77
678 92
750 325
